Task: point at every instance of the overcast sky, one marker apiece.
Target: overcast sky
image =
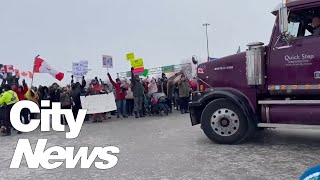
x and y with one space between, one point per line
162 32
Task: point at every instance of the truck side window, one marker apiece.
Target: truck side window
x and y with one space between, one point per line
293 29
300 22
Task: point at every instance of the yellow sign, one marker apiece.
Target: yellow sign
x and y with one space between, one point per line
130 56
137 63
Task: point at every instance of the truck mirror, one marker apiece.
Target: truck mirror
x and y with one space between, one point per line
194 60
283 20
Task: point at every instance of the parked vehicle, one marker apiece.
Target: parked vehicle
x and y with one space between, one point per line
272 86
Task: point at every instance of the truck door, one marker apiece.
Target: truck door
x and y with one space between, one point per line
297 64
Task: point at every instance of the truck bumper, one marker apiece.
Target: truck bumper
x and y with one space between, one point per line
195 113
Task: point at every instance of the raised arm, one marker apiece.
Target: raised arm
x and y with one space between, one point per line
132 77
111 80
84 83
72 81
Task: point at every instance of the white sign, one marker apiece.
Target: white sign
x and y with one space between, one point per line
107 61
77 69
99 103
85 66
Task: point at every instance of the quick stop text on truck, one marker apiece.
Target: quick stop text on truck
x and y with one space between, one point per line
268 86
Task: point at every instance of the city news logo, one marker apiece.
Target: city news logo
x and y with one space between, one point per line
311 174
54 157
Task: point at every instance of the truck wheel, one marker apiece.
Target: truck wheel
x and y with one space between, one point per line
224 122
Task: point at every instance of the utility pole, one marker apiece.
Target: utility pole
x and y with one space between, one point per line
206 25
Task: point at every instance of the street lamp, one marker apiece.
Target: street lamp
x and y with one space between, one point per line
206 25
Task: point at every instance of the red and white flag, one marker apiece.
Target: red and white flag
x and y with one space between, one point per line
8 69
30 74
41 66
17 72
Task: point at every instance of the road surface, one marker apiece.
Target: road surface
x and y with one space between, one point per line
169 148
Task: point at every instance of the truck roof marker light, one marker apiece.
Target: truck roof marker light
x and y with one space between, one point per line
283 87
273 88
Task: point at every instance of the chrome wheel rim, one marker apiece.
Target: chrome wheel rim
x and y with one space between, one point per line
225 122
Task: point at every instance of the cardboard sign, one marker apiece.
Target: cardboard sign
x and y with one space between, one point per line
130 56
85 66
138 71
145 72
99 103
137 63
107 61
77 69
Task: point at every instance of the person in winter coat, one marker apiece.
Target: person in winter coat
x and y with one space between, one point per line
65 99
184 94
21 92
153 88
170 89
33 96
95 89
120 96
54 93
129 101
138 94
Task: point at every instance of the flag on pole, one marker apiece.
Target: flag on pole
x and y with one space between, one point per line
41 66
30 74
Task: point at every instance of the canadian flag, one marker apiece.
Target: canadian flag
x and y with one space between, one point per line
200 71
30 74
8 69
17 72
41 66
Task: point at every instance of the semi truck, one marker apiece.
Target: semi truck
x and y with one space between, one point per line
276 85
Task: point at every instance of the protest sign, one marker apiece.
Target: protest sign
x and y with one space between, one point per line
99 103
138 71
137 63
77 69
130 56
85 66
145 72
107 61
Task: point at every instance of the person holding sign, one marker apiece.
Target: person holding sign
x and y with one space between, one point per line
120 96
138 94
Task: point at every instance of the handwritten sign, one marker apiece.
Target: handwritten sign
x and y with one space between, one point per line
107 61
77 69
137 63
130 56
99 103
85 66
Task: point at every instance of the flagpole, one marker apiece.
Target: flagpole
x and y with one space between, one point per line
33 70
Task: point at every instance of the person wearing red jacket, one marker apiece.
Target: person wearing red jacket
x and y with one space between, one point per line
21 92
120 96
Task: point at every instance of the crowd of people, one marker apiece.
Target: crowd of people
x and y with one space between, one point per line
134 97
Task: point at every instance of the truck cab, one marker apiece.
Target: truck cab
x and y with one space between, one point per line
268 86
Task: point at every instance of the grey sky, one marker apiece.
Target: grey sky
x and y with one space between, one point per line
162 32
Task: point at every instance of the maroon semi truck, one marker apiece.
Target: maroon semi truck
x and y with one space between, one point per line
268 86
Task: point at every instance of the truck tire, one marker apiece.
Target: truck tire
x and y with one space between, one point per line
224 122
